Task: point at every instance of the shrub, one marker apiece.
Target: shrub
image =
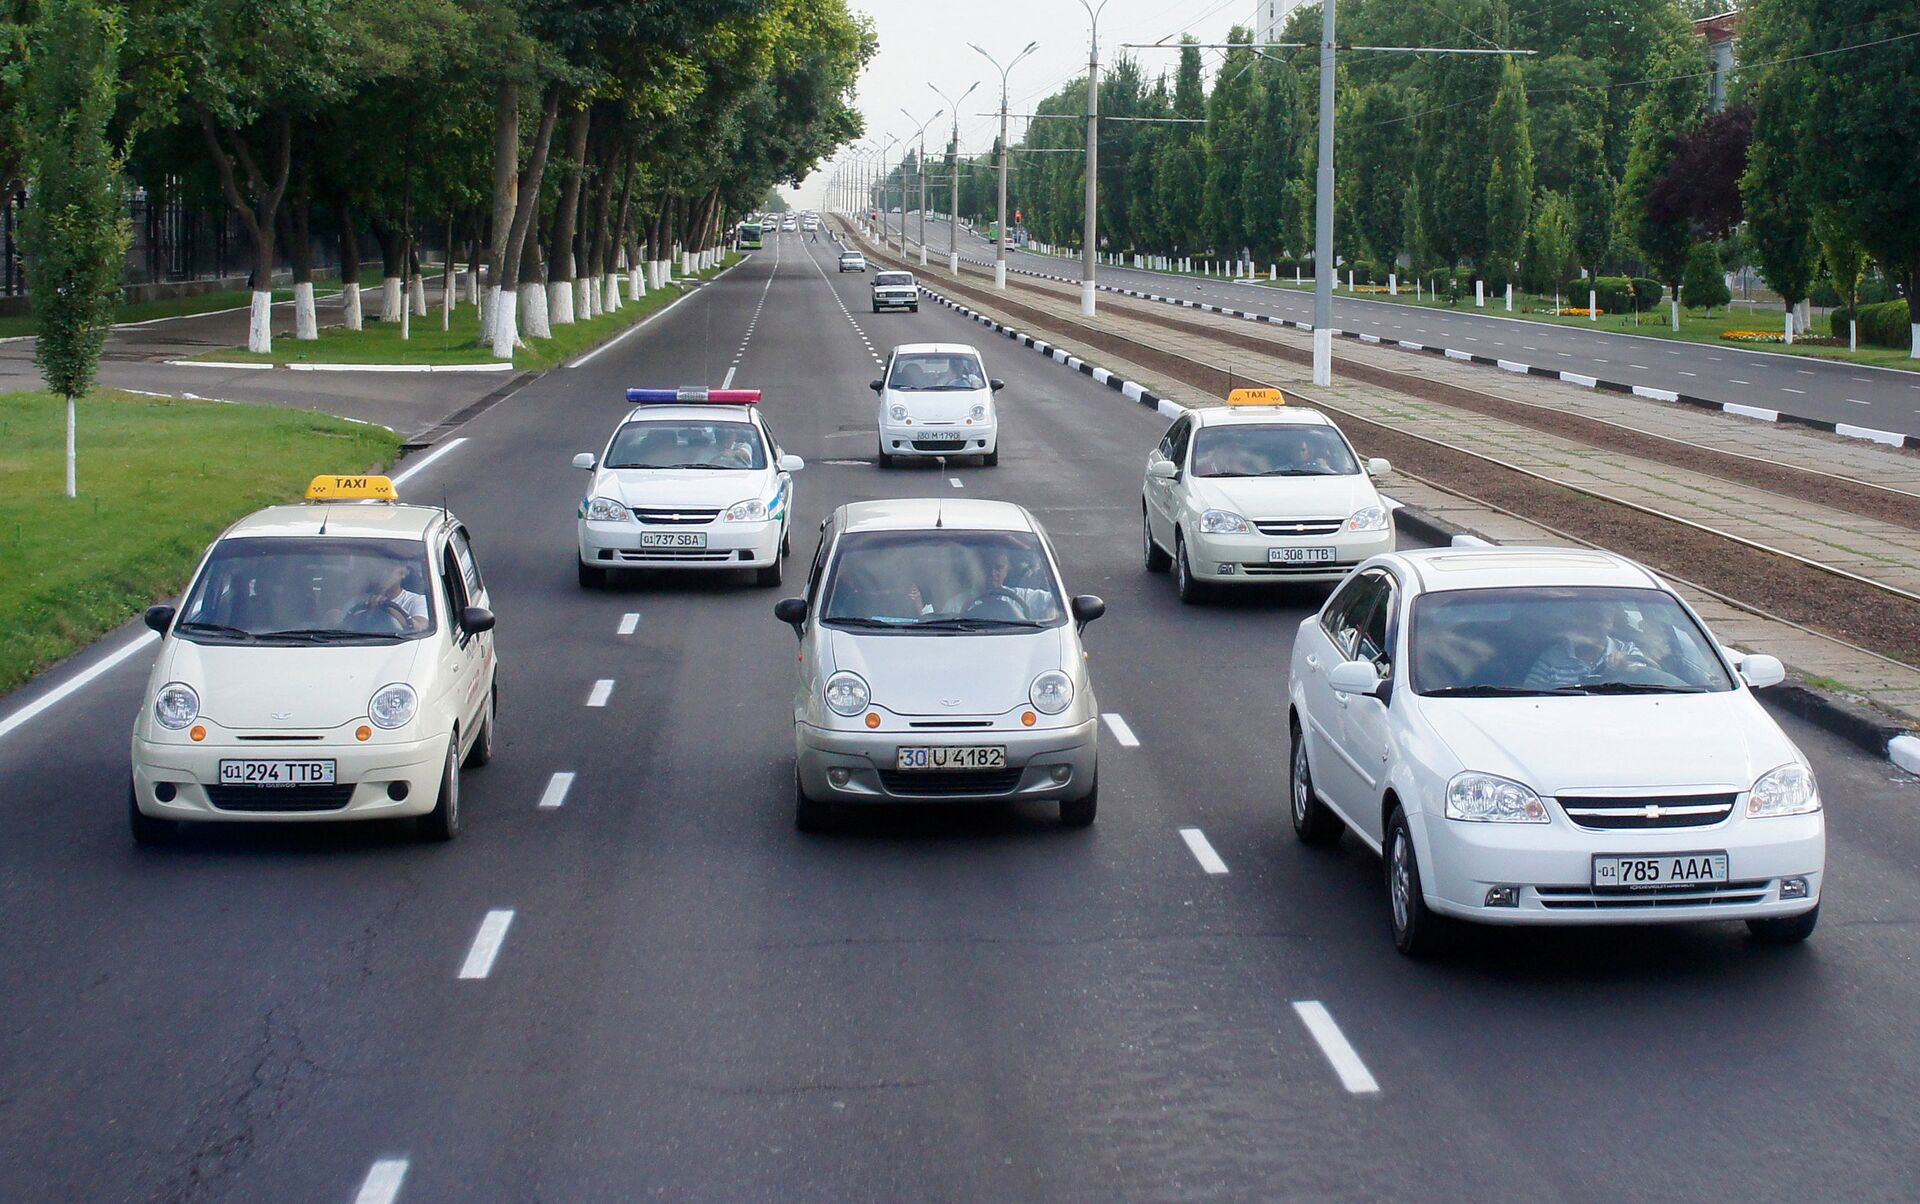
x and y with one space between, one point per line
1838 319
1613 293
1705 285
1646 292
1885 324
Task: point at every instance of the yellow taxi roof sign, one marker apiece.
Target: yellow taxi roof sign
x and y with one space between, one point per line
1256 397
329 487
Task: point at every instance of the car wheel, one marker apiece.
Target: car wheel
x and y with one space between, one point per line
810 815
1080 812
443 822
876 309
913 309
1157 561
482 751
991 459
591 577
881 456
1313 821
1416 928
769 575
147 829
786 542
1788 930
1191 592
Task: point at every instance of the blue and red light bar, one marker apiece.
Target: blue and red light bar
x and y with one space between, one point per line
739 397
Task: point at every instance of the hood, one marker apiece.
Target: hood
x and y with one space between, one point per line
1288 497
246 685
1681 742
691 487
950 408
919 674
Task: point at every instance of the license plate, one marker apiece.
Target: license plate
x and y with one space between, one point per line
938 437
1300 555
276 773
961 756
1666 869
673 539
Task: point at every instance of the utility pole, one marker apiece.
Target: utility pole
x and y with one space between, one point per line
1323 212
1090 253
1000 243
953 206
920 170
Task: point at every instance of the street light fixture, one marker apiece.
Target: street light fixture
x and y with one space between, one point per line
1000 243
920 172
953 207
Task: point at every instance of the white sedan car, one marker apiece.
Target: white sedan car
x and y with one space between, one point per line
936 400
895 290
692 479
1258 491
332 661
1548 736
852 261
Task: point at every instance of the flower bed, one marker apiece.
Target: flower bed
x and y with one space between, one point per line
1575 312
1777 336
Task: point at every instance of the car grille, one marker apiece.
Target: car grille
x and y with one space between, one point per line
708 555
935 783
280 798
1632 814
1651 898
1298 526
670 517
1257 569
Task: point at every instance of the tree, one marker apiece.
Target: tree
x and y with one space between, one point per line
1705 284
1846 259
1779 223
1550 245
1670 109
1510 179
76 232
1379 142
1701 184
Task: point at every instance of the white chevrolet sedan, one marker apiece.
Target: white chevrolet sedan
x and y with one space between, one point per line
937 400
940 661
1548 736
1258 491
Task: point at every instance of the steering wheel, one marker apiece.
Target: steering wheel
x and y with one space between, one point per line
997 603
390 611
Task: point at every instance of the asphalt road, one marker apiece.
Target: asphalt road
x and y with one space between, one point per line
693 1001
1877 398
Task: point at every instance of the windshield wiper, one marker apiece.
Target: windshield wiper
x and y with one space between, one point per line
1639 687
317 634
1488 690
966 623
693 466
238 633
1292 472
874 624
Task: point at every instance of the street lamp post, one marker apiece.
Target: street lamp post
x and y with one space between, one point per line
1000 243
953 172
1090 254
920 172
1323 212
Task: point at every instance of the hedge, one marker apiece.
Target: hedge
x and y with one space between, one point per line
1883 325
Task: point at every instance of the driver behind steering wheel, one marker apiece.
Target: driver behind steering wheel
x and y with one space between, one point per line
995 595
388 593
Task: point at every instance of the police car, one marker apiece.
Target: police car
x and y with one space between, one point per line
691 479
329 661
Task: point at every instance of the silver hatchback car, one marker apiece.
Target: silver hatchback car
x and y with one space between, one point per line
940 661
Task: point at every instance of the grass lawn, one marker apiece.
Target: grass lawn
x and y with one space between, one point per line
158 480
205 303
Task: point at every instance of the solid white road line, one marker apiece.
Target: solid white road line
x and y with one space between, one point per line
382 1184
1333 1043
486 943
1202 851
1120 730
407 473
629 622
80 679
602 689
556 792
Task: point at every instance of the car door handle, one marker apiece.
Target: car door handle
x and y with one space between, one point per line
1313 662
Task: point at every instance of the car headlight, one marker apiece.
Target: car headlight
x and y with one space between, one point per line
1223 522
1788 790
753 510
847 693
1051 692
393 706
606 510
978 411
1486 799
176 705
1368 518
897 412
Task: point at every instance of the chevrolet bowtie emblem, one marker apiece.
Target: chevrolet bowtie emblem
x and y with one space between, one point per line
1654 811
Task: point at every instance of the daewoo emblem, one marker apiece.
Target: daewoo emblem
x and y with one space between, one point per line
283 714
949 702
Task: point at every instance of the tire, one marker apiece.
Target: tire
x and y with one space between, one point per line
1788 930
1417 930
148 830
1191 591
810 815
914 309
1157 561
769 576
592 577
482 751
1080 812
991 459
1313 821
881 457
786 543
443 822
876 308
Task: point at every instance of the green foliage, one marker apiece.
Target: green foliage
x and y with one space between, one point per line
1884 324
1549 243
1670 108
1510 177
1779 225
1705 284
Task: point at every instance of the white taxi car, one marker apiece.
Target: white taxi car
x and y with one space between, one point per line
936 400
691 479
940 661
1548 736
330 661
1259 491
895 290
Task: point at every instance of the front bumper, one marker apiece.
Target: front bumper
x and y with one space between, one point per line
1242 559
977 440
1044 763
729 546
1552 864
902 301
367 776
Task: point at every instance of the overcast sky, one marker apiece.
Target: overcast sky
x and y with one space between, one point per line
925 42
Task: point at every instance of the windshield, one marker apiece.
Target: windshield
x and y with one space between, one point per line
680 443
1271 451
313 589
941 580
936 372
1560 640
884 278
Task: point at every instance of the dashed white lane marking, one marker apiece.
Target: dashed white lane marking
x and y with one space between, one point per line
727 381
629 623
486 943
556 791
1334 1044
1683 371
1202 851
1635 367
955 482
602 690
79 680
1120 730
1801 371
382 1184
1854 400
1730 380
404 475
1783 388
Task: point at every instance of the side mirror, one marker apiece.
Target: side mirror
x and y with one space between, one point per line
1087 608
476 619
876 385
792 612
1163 470
1377 467
790 463
1355 677
159 618
585 460
996 385
1762 671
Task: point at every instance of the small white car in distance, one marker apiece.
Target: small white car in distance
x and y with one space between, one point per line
332 661
895 290
852 261
937 400
691 479
1258 491
1548 736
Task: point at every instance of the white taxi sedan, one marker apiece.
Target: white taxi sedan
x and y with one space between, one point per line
332 661
1259 491
691 479
1548 736
936 400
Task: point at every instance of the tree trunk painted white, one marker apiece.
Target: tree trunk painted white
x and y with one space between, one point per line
1393 284
1349 280
1480 294
1673 307
506 331
406 322
533 307
1593 305
1853 336
489 307
583 299
350 297
390 298
260 324
560 303
306 323
1915 353
71 491
612 291
1789 326
1296 274
419 294
473 285
1509 296
636 288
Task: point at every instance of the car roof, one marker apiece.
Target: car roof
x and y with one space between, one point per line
1508 565
914 514
1258 416
692 412
378 520
933 348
